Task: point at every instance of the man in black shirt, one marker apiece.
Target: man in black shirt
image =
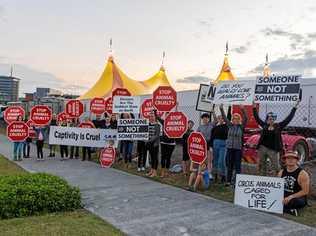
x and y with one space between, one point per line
52 148
296 184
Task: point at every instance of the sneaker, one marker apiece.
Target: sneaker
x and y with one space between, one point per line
293 212
139 169
38 159
143 169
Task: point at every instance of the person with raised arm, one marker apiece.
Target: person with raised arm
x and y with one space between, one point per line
270 145
234 142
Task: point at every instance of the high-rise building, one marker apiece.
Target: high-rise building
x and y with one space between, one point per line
9 89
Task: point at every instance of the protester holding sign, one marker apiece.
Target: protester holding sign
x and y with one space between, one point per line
296 184
74 150
167 146
218 144
63 148
185 154
206 129
18 146
86 150
200 176
152 145
234 142
127 145
270 144
27 144
52 148
40 137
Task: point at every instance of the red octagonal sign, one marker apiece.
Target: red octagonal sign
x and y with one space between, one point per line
41 115
121 92
74 108
175 124
11 113
31 125
108 105
62 116
97 106
107 157
197 148
17 131
147 107
164 98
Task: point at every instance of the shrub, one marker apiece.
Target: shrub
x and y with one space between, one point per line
33 194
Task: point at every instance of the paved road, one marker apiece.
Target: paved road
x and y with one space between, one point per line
139 206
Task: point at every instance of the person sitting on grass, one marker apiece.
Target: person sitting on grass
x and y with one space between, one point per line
200 176
296 184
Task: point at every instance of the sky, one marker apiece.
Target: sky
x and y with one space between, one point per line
64 44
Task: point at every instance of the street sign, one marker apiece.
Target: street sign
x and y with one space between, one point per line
147 107
17 131
175 124
197 148
31 125
109 105
121 92
74 108
12 113
164 98
41 115
107 157
97 106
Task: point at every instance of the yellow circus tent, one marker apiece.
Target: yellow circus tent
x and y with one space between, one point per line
225 73
112 78
158 79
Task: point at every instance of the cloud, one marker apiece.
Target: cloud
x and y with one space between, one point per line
197 79
240 49
304 64
296 40
31 78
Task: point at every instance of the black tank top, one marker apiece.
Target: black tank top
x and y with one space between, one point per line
291 185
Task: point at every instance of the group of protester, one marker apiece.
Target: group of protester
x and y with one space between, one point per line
224 135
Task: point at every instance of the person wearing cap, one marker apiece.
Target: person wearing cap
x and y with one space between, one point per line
296 184
270 143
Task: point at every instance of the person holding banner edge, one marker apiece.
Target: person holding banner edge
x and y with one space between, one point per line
296 184
270 143
234 142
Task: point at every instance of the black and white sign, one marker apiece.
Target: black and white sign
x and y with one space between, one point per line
235 92
126 104
204 101
259 193
132 129
278 89
82 137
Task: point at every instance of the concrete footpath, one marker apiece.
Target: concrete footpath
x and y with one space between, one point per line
139 206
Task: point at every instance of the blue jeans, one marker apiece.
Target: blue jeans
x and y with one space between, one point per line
127 148
17 150
219 153
233 157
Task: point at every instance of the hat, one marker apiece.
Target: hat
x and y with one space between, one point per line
291 154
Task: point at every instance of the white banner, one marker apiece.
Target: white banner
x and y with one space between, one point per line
259 193
83 137
235 92
126 104
132 129
278 89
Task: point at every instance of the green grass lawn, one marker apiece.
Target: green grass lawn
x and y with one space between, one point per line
76 223
218 191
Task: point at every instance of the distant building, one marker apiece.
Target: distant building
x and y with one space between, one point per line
45 92
9 89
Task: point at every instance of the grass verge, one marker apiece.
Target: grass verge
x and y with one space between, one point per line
76 223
